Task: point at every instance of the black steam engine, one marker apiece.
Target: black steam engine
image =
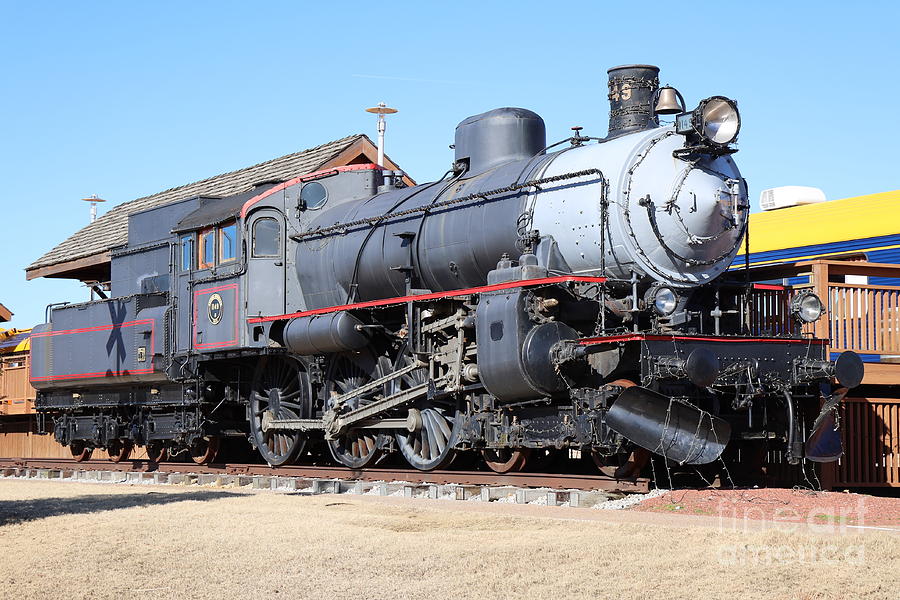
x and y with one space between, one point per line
536 298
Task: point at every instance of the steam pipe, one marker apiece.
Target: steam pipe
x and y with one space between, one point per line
792 456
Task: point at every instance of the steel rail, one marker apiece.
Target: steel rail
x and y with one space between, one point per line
473 478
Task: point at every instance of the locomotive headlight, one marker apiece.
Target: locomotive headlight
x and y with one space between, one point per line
716 121
664 301
719 120
806 307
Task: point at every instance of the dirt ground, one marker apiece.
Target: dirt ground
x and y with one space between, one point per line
841 510
82 540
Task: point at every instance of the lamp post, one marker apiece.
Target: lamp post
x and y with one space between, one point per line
381 110
93 199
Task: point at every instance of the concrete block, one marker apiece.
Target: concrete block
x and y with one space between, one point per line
262 482
207 479
160 477
285 484
362 487
182 478
466 492
112 476
133 477
524 496
388 489
585 499
326 486
557 498
244 480
489 494
415 491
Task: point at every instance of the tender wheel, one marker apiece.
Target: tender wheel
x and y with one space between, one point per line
429 439
157 452
506 460
119 450
281 390
80 451
355 448
205 449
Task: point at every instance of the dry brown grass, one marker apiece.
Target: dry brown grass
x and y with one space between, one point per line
112 541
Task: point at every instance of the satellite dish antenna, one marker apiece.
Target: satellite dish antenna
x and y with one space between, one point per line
93 199
381 110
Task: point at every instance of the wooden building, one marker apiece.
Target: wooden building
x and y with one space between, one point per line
848 252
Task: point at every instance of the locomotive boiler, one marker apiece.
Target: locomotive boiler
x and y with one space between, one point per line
572 296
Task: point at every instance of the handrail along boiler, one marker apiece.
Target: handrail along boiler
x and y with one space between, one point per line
535 298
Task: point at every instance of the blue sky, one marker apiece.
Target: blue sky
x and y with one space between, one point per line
126 99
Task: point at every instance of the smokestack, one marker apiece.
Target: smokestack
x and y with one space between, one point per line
631 90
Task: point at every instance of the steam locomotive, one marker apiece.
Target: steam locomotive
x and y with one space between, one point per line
575 296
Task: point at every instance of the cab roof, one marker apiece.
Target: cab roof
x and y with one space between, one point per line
214 211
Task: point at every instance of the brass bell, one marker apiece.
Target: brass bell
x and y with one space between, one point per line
667 102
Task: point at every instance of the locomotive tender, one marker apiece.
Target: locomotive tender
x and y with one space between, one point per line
534 298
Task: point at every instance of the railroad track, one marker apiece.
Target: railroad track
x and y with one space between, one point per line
439 477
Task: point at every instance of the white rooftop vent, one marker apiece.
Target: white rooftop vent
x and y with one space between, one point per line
789 195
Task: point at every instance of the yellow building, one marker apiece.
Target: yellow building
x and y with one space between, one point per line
860 228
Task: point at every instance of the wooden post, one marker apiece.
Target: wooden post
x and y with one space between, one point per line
819 280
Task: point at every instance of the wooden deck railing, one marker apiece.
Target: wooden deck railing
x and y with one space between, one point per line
871 458
864 318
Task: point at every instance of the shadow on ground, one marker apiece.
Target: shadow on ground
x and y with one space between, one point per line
19 511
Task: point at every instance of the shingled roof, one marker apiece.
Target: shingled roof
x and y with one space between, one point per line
111 230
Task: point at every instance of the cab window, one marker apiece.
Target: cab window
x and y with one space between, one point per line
207 254
313 195
227 242
266 237
187 252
